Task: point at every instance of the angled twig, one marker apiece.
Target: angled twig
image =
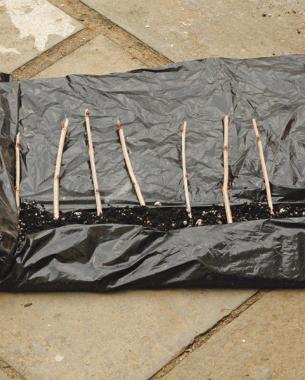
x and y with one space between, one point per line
128 164
17 157
92 165
225 185
263 165
64 129
184 171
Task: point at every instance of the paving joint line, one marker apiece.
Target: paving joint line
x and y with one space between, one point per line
52 55
93 19
94 24
9 371
201 339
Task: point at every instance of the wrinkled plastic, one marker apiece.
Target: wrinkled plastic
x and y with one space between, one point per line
152 104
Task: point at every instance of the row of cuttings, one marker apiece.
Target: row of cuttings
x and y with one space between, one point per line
133 179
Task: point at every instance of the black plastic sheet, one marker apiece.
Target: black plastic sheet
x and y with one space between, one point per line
152 104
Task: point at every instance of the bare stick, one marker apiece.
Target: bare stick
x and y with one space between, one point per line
263 165
225 185
17 184
128 164
91 152
185 175
64 129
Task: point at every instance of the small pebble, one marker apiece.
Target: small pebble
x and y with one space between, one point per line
185 222
157 204
199 222
59 358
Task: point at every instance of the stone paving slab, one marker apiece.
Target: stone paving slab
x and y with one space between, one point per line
99 56
265 342
28 28
189 29
127 335
3 376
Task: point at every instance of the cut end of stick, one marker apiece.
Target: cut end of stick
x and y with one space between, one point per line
18 140
226 119
183 129
119 124
87 112
64 124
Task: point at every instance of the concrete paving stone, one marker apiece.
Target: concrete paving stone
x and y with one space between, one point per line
99 56
189 29
3 376
265 342
29 27
127 335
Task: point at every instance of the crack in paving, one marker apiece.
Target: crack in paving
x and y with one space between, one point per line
199 340
9 371
94 24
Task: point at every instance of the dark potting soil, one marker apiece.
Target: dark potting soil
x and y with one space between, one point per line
34 217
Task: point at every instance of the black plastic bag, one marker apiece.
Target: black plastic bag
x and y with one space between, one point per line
152 104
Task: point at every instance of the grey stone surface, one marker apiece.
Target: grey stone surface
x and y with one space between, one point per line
99 56
188 29
127 335
265 342
28 28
